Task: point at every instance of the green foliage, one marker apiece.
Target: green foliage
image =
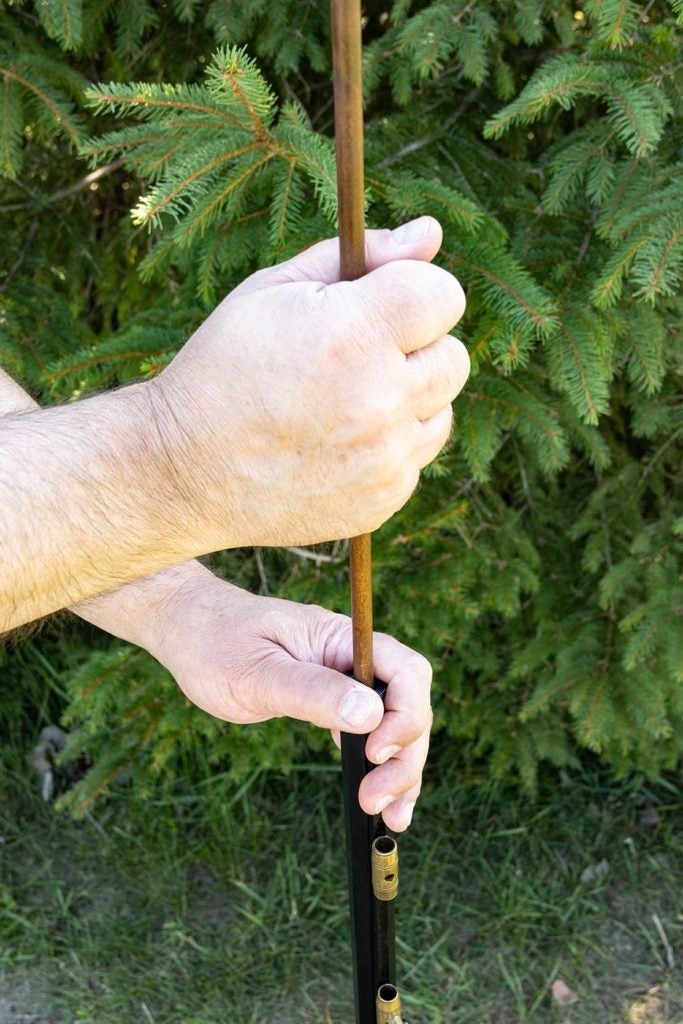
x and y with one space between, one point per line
63 20
538 565
126 706
214 155
37 91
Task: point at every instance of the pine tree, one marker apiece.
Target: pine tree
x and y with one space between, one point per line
539 563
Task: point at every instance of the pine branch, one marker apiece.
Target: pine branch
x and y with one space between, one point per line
190 179
638 114
63 20
226 202
48 98
677 8
133 18
407 194
644 346
561 80
286 210
580 361
235 81
577 158
11 128
507 287
658 264
607 289
315 156
150 101
616 21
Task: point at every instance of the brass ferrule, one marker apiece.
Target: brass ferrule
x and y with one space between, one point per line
388 1005
385 868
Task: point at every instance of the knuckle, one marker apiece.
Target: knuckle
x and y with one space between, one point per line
451 295
411 479
432 450
411 782
392 467
330 632
405 326
381 238
378 410
394 308
447 427
393 483
461 363
399 488
421 723
374 429
337 347
422 668
453 369
412 732
439 434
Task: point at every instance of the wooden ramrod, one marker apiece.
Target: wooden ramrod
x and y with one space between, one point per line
371 852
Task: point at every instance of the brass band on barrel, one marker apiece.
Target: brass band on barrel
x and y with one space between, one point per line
385 868
388 1005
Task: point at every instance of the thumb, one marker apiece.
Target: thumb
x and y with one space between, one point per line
313 693
417 240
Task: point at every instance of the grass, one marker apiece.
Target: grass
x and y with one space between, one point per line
207 905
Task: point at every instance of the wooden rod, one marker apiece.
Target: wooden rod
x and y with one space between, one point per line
360 550
348 133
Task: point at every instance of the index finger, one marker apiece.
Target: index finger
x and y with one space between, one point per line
413 301
408 711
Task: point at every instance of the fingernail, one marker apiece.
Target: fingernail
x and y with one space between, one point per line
358 706
407 814
385 753
411 232
383 802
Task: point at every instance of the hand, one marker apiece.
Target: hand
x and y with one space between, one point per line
301 410
304 408
246 659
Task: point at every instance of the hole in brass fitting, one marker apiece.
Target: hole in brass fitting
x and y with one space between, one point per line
388 992
384 868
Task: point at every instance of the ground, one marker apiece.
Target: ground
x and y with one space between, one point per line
197 907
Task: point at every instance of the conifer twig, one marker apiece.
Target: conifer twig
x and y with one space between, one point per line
317 556
70 190
265 589
87 181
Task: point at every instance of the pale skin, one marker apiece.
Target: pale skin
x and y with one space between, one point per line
301 410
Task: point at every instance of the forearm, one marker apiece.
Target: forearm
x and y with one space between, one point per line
87 501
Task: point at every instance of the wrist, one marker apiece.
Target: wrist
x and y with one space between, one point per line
185 601
196 482
139 612
162 485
